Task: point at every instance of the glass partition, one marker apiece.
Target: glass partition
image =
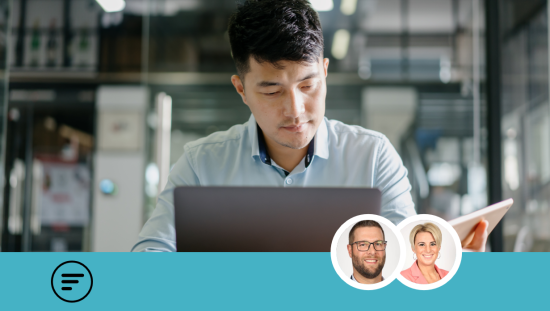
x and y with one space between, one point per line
5 13
410 69
50 123
526 125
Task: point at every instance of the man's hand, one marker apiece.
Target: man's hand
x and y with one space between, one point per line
477 241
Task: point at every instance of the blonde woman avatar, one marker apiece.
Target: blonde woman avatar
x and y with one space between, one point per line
426 244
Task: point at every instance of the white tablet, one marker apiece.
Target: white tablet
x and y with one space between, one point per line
465 225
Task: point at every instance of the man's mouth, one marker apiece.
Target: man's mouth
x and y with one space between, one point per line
371 261
295 128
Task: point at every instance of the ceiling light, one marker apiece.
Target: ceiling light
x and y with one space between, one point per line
322 5
348 7
340 44
112 5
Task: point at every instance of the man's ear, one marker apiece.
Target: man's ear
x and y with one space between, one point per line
325 66
349 250
239 86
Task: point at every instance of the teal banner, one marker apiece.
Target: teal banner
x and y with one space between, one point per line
254 281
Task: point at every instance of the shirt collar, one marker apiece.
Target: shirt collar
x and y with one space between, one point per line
253 136
318 146
322 140
415 270
438 271
262 147
353 278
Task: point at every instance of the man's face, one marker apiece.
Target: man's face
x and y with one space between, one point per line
288 102
368 263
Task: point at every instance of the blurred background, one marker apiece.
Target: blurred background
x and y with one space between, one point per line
98 98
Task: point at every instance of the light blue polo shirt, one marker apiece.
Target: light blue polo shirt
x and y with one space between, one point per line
343 156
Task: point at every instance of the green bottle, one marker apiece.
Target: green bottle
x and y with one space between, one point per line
35 44
84 47
51 45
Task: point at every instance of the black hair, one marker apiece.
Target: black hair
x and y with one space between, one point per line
362 224
274 30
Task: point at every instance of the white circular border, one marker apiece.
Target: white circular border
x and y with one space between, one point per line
458 246
334 246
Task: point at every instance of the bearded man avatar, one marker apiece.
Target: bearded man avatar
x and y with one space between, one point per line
367 250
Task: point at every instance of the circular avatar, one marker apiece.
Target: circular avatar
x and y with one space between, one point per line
433 252
367 252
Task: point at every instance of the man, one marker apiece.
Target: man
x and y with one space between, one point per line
277 46
367 249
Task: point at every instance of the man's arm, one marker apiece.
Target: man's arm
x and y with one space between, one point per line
158 233
391 179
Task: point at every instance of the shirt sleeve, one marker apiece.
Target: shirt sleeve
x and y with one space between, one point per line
391 179
159 233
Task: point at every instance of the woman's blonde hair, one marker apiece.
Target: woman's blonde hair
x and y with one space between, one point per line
427 227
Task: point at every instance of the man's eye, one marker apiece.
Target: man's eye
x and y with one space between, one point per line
362 244
307 86
271 94
379 243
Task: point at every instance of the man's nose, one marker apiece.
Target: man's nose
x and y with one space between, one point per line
371 249
294 105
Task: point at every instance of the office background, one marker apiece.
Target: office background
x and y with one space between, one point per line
98 98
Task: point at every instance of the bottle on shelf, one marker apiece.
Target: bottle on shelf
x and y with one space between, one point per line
51 46
84 47
35 44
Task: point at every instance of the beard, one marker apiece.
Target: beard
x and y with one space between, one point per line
296 145
369 274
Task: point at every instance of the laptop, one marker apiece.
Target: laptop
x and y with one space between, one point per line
262 219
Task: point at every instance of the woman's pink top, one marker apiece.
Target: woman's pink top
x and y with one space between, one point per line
414 274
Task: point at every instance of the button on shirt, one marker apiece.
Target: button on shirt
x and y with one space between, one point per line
340 155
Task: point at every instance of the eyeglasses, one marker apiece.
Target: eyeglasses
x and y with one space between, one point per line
364 246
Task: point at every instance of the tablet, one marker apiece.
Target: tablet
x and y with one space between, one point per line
466 224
